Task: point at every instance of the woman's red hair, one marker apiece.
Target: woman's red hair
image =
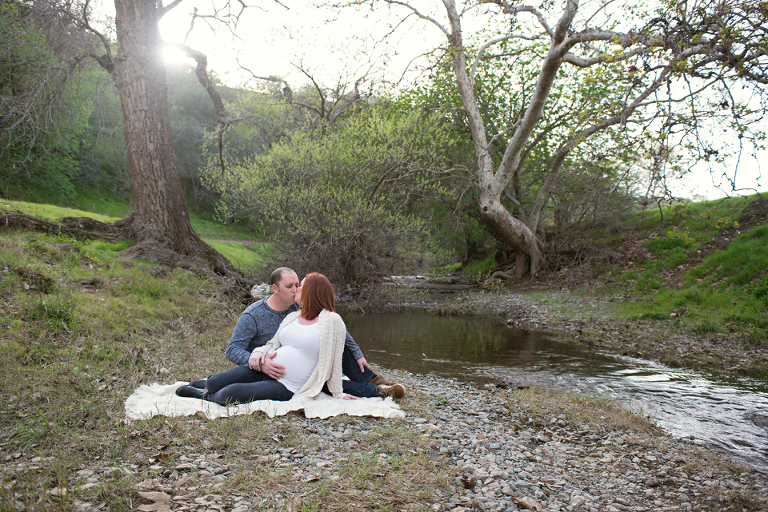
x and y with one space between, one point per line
316 294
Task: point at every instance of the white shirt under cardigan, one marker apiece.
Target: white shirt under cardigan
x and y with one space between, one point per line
332 333
299 352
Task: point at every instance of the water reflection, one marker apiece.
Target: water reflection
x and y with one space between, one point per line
712 411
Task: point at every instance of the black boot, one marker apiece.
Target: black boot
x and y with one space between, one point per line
199 384
191 392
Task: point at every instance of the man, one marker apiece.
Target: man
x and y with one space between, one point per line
259 322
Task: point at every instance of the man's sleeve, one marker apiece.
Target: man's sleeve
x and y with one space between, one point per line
350 344
237 348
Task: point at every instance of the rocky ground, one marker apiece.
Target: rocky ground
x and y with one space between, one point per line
505 451
509 457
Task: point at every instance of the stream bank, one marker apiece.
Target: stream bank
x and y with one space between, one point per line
539 450
591 320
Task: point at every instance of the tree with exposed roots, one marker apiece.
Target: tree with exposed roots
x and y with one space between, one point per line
671 58
160 223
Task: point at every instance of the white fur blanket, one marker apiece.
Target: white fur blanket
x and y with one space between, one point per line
161 400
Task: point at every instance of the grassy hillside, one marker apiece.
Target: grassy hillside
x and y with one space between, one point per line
701 266
234 242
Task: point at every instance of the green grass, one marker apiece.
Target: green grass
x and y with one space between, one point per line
701 219
481 266
743 264
52 213
726 291
244 255
101 204
448 269
209 228
247 258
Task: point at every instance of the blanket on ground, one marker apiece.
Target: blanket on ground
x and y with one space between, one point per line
161 400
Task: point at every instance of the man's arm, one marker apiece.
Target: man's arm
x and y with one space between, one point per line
350 343
237 348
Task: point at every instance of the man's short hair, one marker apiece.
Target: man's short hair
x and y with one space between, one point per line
277 275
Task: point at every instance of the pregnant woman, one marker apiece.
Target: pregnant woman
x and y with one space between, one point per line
309 343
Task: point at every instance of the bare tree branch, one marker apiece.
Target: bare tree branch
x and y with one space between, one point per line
202 77
164 10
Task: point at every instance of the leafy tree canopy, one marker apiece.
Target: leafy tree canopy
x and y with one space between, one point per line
343 200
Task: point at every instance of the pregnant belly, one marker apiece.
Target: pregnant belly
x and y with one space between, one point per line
297 367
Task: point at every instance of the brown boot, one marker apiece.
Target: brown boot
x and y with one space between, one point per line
380 381
395 391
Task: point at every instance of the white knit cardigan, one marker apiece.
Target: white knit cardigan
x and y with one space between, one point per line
332 332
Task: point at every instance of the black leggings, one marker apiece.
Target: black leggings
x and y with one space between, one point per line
242 385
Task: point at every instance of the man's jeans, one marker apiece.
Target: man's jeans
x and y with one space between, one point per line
357 384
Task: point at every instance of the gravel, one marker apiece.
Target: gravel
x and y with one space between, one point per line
502 460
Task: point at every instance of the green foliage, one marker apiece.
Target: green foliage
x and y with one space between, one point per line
344 202
194 123
481 266
110 206
728 290
41 114
102 170
45 179
267 121
596 182
447 269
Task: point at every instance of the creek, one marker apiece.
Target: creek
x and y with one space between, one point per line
730 415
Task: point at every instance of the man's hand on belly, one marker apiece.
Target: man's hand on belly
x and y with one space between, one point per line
274 370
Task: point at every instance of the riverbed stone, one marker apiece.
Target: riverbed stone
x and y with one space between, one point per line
560 465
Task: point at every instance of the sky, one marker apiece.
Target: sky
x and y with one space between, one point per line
276 38
330 44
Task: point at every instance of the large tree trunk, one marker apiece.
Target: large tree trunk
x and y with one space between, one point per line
512 232
499 220
160 221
